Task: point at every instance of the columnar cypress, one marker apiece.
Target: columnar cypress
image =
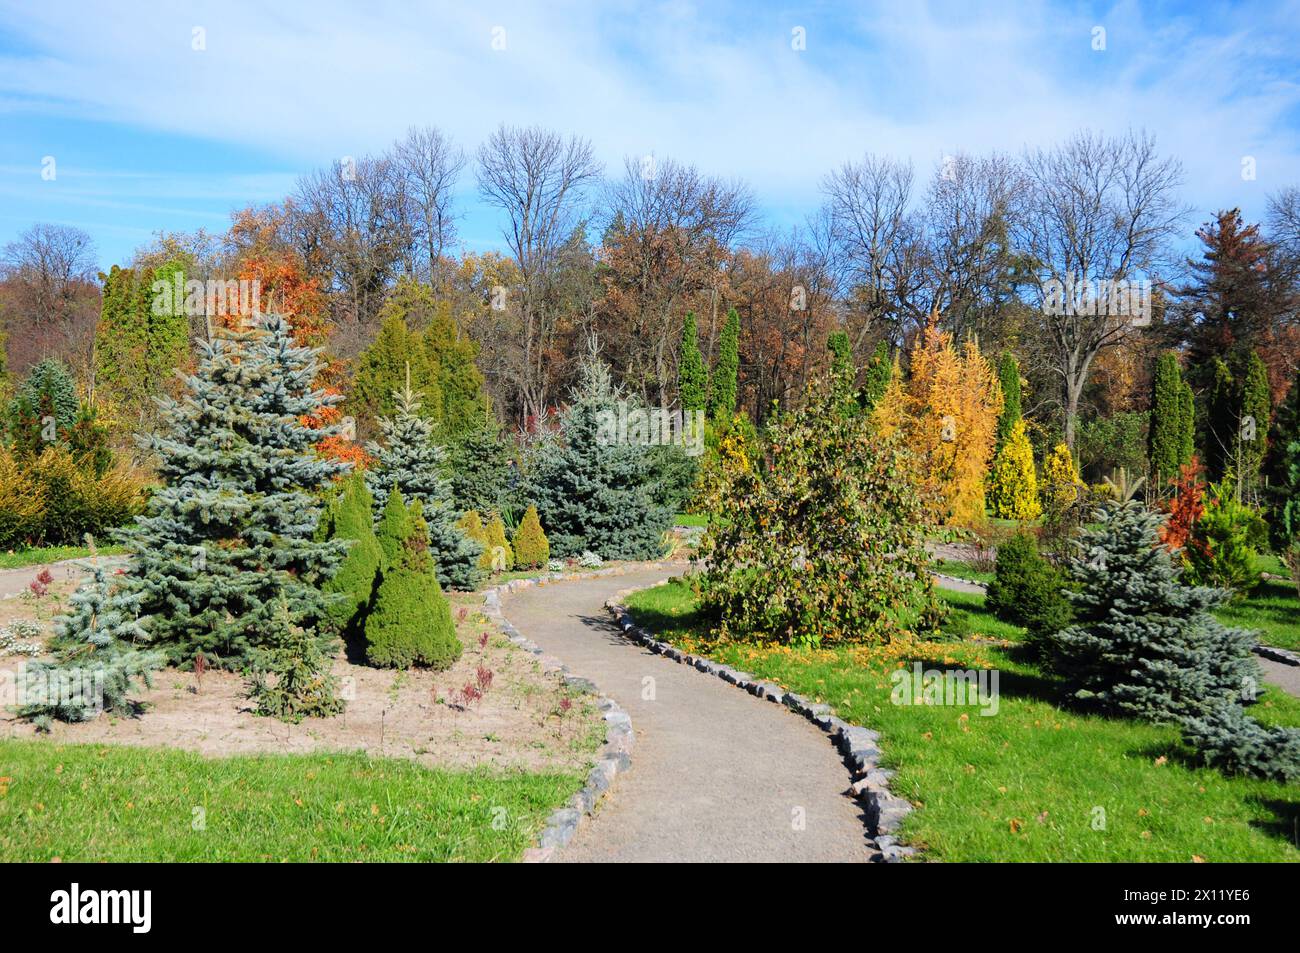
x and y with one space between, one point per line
1009 377
411 461
1013 489
692 382
1284 476
880 371
1168 420
723 386
230 536
1221 417
1256 406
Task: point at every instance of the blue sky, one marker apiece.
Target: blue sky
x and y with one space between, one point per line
149 133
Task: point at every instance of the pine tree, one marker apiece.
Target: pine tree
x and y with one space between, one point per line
593 493
482 469
1013 489
498 545
100 650
531 548
290 676
724 383
410 623
410 461
692 382
44 410
1168 423
1143 643
350 518
230 534
1009 377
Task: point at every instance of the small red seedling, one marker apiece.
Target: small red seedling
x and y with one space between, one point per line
482 642
484 677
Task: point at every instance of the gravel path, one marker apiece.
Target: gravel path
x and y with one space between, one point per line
717 774
14 581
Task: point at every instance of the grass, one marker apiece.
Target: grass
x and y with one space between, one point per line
1034 781
1273 610
962 570
42 555
691 519
109 803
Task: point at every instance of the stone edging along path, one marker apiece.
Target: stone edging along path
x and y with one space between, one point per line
616 754
882 810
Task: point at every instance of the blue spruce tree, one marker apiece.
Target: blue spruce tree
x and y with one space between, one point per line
593 489
410 460
227 550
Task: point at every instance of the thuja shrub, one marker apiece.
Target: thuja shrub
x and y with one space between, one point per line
531 548
1225 542
826 544
1027 590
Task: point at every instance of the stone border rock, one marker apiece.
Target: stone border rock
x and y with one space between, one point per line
1285 656
616 754
884 812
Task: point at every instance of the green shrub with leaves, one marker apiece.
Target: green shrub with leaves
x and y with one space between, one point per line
410 623
531 548
1027 590
1143 643
1225 543
825 545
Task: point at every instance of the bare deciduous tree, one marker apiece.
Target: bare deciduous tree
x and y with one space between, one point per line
539 179
50 299
1099 210
431 163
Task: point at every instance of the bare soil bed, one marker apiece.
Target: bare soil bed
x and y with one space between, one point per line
524 719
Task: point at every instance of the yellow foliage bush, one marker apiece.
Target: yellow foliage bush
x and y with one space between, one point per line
54 499
948 411
1013 490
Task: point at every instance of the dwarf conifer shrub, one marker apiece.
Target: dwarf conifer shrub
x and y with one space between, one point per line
531 548
349 518
410 623
1013 493
1027 590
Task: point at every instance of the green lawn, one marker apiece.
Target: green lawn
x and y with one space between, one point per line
109 803
1031 782
691 519
961 569
44 555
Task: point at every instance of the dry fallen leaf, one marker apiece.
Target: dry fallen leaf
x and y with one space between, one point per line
1016 825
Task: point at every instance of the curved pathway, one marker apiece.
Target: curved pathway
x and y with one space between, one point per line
717 774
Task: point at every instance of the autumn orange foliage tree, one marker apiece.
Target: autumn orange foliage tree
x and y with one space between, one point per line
287 289
948 411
